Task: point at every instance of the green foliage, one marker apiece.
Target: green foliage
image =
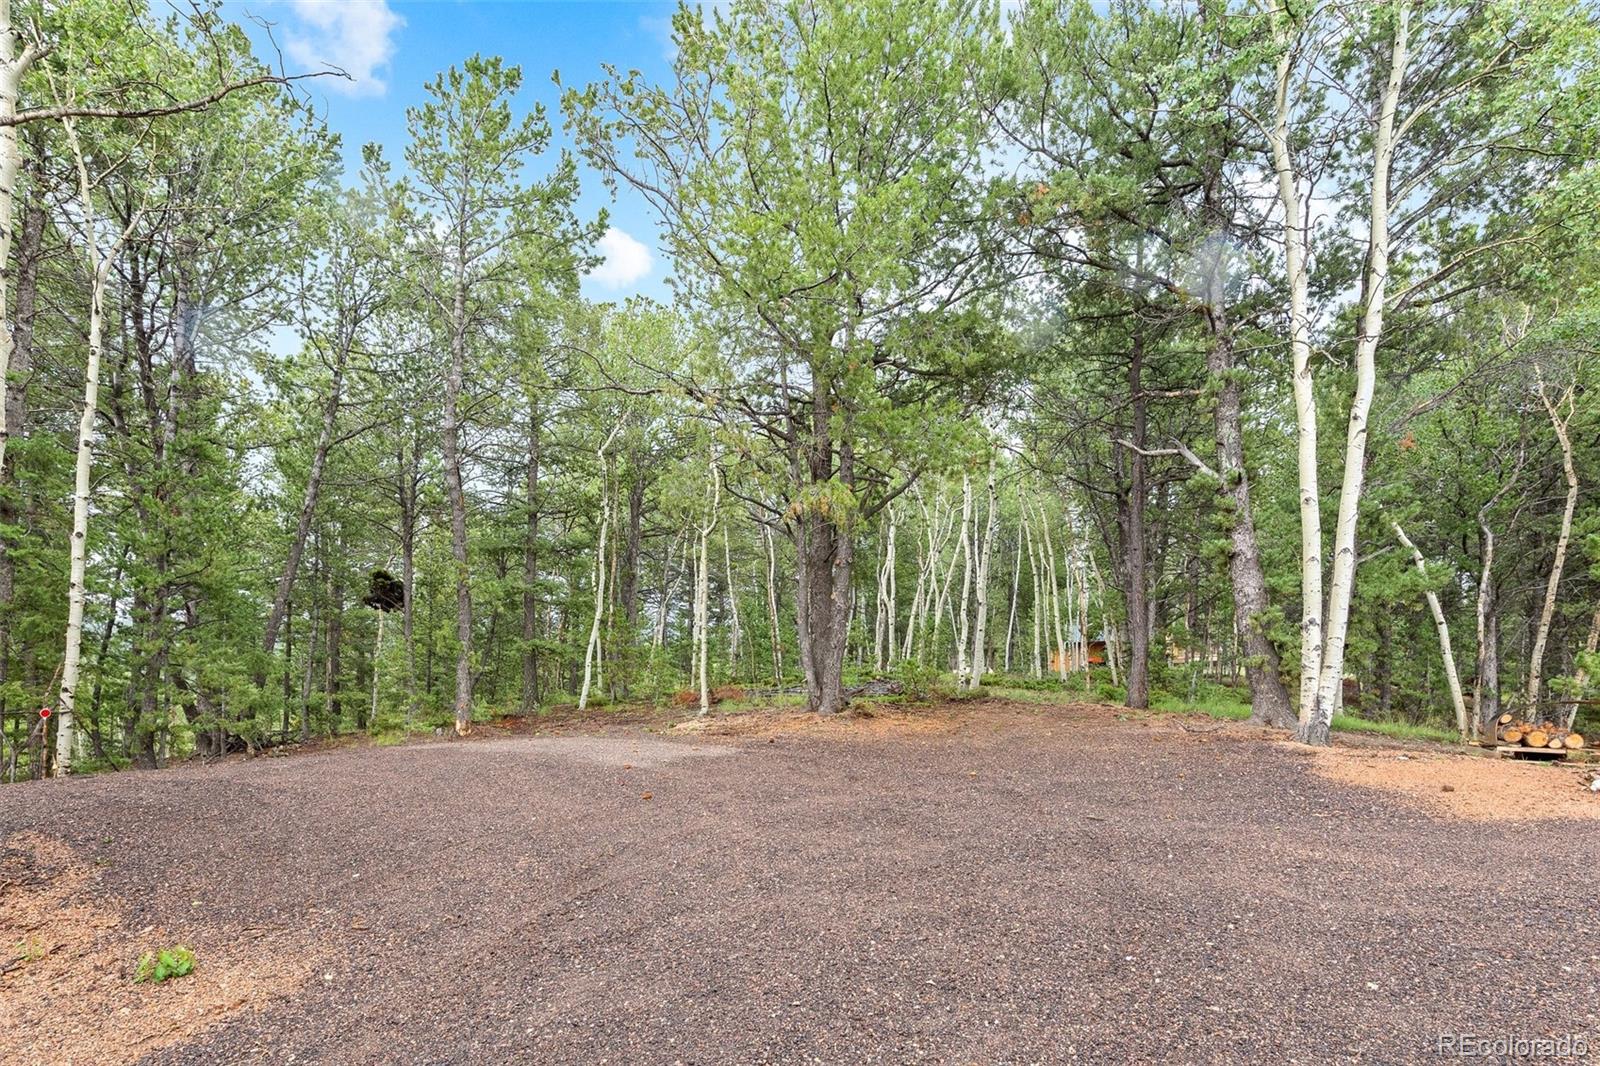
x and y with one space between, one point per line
1400 730
919 681
164 965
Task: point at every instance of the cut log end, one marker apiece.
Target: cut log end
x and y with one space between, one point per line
1537 739
1574 741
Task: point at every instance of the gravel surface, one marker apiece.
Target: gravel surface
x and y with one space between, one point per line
1038 885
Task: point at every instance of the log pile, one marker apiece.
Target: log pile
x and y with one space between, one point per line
1515 732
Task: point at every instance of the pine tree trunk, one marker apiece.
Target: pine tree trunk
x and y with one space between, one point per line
13 419
529 701
308 508
449 432
1269 697
332 711
409 475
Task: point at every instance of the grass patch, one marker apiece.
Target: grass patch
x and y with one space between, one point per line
1214 706
1039 696
760 703
1226 705
1349 723
164 965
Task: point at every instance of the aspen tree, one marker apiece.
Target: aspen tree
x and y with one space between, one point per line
99 260
1560 412
1446 652
986 553
592 650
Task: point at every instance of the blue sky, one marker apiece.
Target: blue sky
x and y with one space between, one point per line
392 48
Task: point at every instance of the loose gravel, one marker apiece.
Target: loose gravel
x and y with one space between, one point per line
1035 885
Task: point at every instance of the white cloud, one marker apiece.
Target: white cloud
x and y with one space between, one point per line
357 36
626 260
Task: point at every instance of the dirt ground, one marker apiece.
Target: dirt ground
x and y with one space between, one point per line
988 882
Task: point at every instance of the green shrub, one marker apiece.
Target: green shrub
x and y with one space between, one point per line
918 681
163 965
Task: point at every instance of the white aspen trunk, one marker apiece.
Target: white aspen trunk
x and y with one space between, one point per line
981 624
968 531
694 615
1547 612
941 602
1083 618
880 617
1305 400
99 264
703 590
1485 597
13 65
593 646
733 604
892 601
1054 593
1341 585
1453 679
1038 595
1580 680
1069 608
666 596
1113 650
916 621
592 649
1016 587
772 606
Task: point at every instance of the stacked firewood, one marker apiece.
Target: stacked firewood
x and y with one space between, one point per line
1515 732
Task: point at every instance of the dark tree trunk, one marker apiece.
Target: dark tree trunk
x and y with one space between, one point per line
288 666
29 248
1489 669
822 609
530 571
1131 520
824 554
334 629
408 479
308 508
450 431
1269 697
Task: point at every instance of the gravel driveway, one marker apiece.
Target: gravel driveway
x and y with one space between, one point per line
1047 886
